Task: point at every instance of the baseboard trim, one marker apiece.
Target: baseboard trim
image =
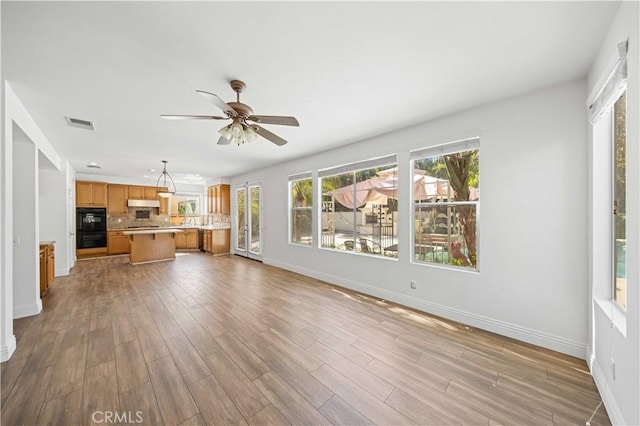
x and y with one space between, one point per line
615 415
27 310
62 272
535 337
7 350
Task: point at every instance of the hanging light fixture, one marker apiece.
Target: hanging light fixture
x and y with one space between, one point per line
165 191
238 133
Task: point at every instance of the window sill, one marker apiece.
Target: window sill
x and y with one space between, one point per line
447 267
616 315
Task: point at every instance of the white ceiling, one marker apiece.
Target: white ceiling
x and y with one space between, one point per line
347 71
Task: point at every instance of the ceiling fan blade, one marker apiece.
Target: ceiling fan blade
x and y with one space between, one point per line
214 99
274 119
223 141
268 135
193 117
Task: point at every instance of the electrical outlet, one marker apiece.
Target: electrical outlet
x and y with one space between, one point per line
613 369
413 284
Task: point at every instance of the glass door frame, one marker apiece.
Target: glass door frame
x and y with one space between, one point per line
247 251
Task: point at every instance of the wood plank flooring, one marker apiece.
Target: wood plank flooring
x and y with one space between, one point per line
226 340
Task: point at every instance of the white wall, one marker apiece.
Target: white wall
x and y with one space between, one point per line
532 283
26 267
15 114
621 395
53 220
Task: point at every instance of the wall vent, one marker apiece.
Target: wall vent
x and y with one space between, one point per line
82 124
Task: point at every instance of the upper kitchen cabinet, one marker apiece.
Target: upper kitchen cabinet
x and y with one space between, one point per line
118 195
136 192
150 193
91 194
143 192
219 199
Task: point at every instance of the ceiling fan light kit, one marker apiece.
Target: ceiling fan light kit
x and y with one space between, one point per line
239 132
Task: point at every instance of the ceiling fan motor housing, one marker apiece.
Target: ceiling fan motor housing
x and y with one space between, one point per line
243 110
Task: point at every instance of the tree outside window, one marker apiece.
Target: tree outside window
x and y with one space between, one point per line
446 199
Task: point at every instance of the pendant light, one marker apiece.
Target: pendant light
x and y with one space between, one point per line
169 191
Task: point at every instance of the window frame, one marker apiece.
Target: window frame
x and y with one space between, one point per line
614 169
468 144
390 160
290 182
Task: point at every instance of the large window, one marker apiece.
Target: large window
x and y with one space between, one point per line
608 114
185 209
300 205
359 207
619 200
446 200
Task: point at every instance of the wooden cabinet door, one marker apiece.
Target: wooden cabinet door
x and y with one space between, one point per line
117 199
192 239
136 192
43 271
181 240
150 193
206 240
91 194
51 266
225 199
118 243
220 241
99 194
84 194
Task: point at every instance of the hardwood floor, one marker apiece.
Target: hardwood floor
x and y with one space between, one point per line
225 340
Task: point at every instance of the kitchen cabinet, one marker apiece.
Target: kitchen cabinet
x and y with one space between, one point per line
164 204
219 199
118 243
150 193
117 199
217 241
91 194
47 266
137 192
187 239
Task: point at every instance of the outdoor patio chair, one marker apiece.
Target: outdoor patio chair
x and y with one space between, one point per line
364 246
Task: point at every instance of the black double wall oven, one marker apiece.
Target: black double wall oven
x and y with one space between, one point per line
91 227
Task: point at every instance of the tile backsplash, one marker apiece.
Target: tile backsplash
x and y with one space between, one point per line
128 220
115 222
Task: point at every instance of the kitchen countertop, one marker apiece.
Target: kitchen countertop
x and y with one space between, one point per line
151 231
220 225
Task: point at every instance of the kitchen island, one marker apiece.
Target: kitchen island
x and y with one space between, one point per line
152 245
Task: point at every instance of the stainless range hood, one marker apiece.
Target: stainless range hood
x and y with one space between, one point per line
143 203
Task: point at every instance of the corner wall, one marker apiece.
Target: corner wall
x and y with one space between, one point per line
14 114
532 283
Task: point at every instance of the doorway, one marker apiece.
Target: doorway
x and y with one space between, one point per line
249 221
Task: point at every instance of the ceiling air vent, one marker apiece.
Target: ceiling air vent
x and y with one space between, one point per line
82 124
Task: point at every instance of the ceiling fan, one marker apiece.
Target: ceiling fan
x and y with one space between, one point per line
239 131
